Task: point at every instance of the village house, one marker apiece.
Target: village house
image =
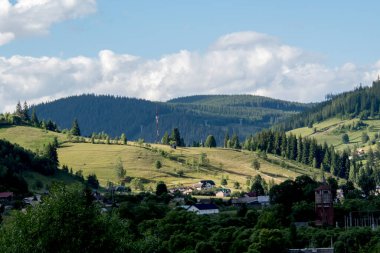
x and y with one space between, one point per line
204 185
6 197
202 209
312 250
32 200
224 192
250 199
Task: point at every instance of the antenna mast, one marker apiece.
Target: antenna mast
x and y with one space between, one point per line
157 126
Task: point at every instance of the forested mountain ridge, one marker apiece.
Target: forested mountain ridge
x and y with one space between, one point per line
195 116
362 102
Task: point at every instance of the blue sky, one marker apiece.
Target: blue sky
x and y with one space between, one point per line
138 46
340 31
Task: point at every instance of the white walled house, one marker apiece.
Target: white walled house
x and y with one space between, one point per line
203 209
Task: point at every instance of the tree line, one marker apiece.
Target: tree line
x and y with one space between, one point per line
362 102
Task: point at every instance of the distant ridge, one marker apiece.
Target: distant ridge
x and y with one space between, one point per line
195 116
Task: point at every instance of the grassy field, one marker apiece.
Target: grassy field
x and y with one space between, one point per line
29 137
139 161
331 131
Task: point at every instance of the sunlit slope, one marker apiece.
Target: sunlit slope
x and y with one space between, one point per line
179 166
331 131
139 161
29 137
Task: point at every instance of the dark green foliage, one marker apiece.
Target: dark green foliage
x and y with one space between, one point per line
123 139
204 247
75 128
51 153
365 137
14 160
210 142
158 164
235 143
34 120
165 139
289 192
304 150
92 181
367 183
65 222
257 185
161 189
256 164
192 115
345 139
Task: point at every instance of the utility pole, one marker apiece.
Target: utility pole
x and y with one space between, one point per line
157 126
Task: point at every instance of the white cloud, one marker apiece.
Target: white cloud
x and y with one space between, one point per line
34 17
246 62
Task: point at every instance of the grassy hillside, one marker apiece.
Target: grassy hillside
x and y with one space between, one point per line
29 137
331 131
139 161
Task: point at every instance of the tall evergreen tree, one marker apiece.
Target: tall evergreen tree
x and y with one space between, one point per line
123 139
226 139
34 119
176 137
299 149
75 128
235 143
165 139
25 112
18 111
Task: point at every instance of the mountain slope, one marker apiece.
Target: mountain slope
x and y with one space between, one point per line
139 161
196 116
363 103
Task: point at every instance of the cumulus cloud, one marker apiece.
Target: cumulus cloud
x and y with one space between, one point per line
34 17
237 63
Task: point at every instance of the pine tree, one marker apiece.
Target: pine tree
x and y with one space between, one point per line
18 111
226 139
210 142
75 128
123 139
299 149
176 137
34 119
51 153
25 112
165 139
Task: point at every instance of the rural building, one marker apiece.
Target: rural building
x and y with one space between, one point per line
204 185
224 192
312 250
32 200
251 201
324 206
221 194
244 200
6 197
263 200
203 209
